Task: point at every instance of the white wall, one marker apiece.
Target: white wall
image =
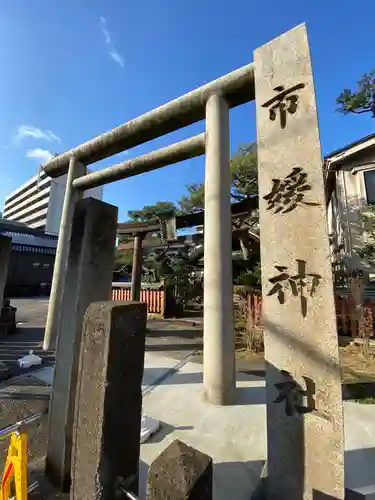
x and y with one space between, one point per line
55 205
348 202
56 202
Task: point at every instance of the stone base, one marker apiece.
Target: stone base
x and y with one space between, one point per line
4 371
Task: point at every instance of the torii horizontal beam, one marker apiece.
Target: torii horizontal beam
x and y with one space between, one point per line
183 150
236 87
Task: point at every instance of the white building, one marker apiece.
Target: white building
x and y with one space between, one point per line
350 184
38 203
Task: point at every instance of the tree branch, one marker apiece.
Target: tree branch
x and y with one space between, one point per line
365 110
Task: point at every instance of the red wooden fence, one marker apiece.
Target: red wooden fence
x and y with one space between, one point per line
153 297
347 316
346 313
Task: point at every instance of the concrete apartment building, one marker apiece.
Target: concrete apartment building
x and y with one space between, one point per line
350 181
38 203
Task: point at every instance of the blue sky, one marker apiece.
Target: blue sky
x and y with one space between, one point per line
72 70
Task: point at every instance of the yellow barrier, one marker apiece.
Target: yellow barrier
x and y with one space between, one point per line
15 469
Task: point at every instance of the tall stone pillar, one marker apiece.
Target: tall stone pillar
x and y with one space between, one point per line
137 267
88 279
5 251
304 406
218 342
72 195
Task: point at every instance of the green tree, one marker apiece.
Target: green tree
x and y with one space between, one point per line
367 252
123 257
194 200
361 100
244 171
151 212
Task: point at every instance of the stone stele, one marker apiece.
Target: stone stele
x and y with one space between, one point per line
304 405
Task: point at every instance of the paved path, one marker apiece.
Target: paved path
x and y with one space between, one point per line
164 337
234 436
31 318
172 387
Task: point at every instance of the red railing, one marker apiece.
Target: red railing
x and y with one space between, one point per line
254 310
153 297
346 314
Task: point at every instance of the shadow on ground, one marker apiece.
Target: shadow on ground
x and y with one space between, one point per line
181 333
166 429
178 346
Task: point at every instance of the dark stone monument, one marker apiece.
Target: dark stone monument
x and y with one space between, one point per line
180 473
88 279
108 410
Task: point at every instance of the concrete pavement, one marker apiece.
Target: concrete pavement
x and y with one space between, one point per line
31 317
174 340
235 436
232 435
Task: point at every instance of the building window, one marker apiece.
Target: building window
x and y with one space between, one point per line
370 186
36 264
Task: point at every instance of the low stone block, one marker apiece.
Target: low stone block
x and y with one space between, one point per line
108 410
180 473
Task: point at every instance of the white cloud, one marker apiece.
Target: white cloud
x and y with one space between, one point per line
36 133
117 57
114 54
103 25
39 154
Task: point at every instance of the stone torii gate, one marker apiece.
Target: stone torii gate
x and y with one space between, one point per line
212 101
240 214
304 407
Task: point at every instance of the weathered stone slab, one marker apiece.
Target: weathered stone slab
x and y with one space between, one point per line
304 407
88 279
180 473
109 401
